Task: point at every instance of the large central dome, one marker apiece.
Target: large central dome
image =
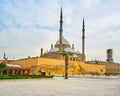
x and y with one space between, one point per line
64 41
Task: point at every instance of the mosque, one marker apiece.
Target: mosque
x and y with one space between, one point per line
62 43
52 62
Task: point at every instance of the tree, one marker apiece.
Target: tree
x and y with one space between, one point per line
2 67
66 55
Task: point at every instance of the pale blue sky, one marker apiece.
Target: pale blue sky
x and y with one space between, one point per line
28 25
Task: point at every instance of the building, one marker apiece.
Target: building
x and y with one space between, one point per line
14 69
63 43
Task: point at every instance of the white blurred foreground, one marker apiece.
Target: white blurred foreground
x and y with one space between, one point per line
78 86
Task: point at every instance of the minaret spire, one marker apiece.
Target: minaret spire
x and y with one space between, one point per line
60 30
4 56
83 41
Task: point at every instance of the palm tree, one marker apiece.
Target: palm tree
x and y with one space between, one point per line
66 55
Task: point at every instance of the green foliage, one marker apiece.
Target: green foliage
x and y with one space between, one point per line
65 53
24 76
2 67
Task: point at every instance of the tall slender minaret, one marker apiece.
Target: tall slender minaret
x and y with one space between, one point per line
83 41
4 56
60 31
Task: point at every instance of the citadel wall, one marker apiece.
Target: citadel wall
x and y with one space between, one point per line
112 68
56 66
25 62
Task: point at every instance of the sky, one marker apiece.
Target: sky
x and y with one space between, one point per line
26 26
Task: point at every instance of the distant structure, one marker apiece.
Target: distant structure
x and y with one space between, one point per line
4 56
62 43
109 56
41 52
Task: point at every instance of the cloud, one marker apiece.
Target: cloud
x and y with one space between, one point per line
28 25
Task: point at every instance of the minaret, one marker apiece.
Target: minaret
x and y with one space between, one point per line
4 56
60 31
83 41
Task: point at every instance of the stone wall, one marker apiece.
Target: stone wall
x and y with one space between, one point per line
92 68
0 61
112 68
26 62
57 66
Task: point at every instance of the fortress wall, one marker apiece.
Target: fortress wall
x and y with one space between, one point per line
56 66
53 66
93 68
88 68
26 62
0 61
50 61
112 69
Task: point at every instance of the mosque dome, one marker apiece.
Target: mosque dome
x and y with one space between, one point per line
64 41
74 55
54 50
69 50
78 52
46 52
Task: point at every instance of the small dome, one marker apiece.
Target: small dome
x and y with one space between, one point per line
64 41
46 52
54 50
78 52
69 50
74 55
